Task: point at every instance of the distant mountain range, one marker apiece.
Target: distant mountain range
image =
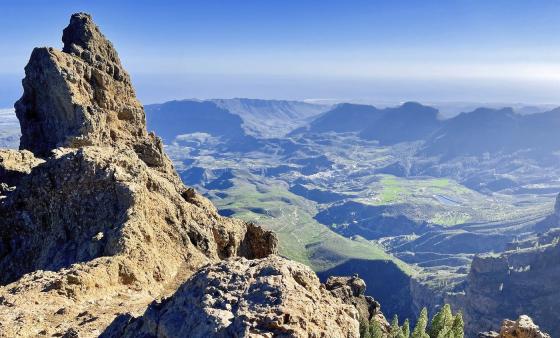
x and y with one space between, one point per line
271 118
175 118
474 133
9 129
231 118
495 131
345 117
482 131
408 122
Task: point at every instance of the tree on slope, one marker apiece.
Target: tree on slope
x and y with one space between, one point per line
442 323
396 331
406 329
458 327
421 324
375 329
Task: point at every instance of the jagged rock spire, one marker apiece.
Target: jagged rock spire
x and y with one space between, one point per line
83 35
80 96
103 222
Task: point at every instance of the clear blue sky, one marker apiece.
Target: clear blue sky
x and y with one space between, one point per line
487 50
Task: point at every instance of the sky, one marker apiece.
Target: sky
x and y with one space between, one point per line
381 51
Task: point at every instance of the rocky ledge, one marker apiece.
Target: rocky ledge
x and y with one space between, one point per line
269 297
521 328
520 281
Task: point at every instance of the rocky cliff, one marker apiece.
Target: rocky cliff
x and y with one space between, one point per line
520 281
523 327
95 222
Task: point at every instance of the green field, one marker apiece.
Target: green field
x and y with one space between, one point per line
302 238
447 203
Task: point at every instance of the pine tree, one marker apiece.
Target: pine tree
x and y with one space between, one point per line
396 331
375 330
442 322
458 327
365 329
406 329
445 334
395 322
421 324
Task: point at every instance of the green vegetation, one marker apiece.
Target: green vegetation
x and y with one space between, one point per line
445 202
370 330
443 325
421 325
267 202
391 191
450 218
441 182
406 328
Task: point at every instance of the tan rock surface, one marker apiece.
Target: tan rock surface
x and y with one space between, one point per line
351 290
523 327
270 297
102 224
15 164
79 96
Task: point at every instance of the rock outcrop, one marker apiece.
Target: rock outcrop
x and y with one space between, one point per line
522 280
15 164
94 220
351 290
523 327
80 96
270 297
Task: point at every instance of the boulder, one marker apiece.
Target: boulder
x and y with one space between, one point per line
15 164
269 297
351 290
523 327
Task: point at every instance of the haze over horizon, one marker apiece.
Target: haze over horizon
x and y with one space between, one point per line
465 51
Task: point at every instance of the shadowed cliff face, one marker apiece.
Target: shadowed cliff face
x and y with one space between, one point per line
394 296
522 280
175 118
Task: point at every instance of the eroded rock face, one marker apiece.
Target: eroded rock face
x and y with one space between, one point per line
15 164
97 201
94 221
523 327
522 280
79 96
351 290
270 297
